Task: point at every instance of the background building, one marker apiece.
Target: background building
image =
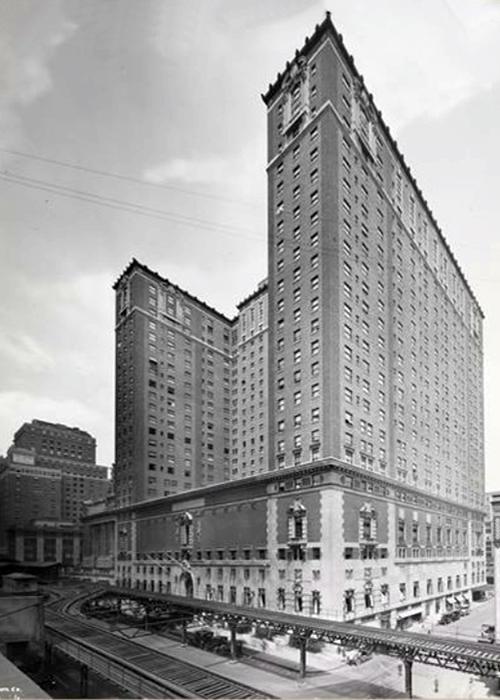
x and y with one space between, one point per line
28 492
47 477
46 542
53 441
72 451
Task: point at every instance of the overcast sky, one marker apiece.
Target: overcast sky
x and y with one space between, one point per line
165 94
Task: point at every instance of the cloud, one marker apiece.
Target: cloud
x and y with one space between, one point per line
192 171
439 53
238 173
29 35
23 351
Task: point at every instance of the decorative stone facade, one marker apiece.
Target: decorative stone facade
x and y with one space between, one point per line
324 538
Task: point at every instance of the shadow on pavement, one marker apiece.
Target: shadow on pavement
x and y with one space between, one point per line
361 689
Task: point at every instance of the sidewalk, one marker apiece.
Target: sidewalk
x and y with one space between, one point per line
328 675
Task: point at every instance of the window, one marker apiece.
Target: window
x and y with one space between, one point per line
315 602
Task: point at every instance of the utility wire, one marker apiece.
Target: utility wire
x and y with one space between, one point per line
131 207
126 178
13 612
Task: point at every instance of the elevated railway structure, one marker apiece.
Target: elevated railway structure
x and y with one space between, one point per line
469 657
144 672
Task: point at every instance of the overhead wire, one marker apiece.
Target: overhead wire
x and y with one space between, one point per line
131 207
151 212
126 178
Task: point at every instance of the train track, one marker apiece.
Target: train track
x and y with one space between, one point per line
161 675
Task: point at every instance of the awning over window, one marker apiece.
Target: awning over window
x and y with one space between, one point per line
403 614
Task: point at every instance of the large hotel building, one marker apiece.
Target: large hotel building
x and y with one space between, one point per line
364 497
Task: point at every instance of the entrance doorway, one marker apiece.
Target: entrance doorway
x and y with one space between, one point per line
187 581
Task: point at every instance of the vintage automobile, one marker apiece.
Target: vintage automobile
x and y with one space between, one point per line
487 634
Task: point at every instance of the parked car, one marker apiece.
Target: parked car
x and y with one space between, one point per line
487 634
445 619
354 657
313 645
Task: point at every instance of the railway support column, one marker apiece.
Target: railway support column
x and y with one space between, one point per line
47 657
303 657
232 628
408 663
84 680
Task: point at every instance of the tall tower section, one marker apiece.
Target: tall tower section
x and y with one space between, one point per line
375 337
173 374
309 133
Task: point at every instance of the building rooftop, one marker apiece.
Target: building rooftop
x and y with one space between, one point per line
37 423
135 264
261 288
260 481
310 43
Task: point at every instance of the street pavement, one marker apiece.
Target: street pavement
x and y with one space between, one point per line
433 682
